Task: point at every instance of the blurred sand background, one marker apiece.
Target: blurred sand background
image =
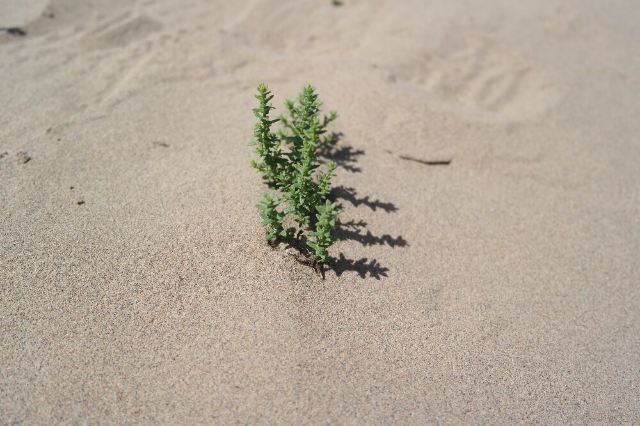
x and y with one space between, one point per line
504 287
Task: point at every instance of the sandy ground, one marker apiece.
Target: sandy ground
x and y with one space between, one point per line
503 287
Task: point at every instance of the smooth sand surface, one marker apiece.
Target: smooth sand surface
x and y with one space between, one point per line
503 287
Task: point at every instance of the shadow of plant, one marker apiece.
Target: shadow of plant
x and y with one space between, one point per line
364 267
347 157
350 194
352 230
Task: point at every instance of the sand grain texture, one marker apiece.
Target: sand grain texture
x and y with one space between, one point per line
502 287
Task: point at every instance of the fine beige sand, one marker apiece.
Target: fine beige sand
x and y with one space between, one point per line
502 287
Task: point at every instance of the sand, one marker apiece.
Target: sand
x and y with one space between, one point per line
499 286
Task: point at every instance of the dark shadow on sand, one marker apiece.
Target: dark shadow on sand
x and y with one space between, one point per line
364 267
350 195
346 157
353 230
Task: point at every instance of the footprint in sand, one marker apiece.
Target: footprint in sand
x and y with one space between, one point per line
478 77
22 157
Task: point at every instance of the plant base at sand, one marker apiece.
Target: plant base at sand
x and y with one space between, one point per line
288 162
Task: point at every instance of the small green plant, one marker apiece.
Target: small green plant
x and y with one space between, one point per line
321 238
272 219
302 133
288 161
266 142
